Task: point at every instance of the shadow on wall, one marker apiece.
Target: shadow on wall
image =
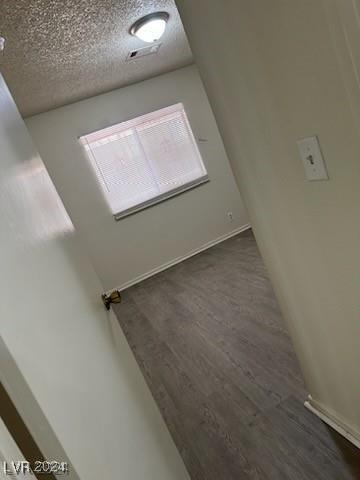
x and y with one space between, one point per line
12 416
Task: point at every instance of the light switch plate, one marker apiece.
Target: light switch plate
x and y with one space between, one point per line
312 158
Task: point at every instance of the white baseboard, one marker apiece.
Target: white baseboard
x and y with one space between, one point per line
338 425
177 260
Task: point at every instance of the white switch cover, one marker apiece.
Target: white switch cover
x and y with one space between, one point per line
312 158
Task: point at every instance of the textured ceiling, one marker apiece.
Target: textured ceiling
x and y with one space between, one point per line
60 51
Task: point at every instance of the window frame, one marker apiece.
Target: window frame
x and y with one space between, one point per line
161 197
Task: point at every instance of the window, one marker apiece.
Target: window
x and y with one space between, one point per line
143 161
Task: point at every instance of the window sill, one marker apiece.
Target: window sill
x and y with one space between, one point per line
161 198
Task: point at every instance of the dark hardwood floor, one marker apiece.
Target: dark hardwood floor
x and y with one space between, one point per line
210 341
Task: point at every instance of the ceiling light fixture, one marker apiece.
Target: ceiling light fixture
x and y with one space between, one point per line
151 27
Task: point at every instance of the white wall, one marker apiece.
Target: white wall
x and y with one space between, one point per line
122 251
9 452
64 362
272 76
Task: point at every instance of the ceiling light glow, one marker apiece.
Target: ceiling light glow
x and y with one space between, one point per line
151 27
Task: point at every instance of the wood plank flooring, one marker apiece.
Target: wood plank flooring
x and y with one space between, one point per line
210 341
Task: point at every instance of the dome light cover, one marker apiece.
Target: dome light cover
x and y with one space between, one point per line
151 27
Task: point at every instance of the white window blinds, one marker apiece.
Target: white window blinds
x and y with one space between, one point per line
145 160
